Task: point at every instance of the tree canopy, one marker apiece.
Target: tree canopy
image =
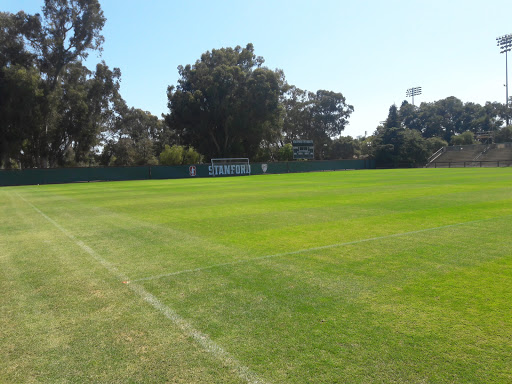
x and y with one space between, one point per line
51 103
227 104
411 134
223 103
316 116
56 111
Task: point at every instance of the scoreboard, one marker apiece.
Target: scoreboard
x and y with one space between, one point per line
303 149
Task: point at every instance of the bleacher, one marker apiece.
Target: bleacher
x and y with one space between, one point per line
480 155
497 154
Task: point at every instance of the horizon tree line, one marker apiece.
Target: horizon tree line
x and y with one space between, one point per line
54 111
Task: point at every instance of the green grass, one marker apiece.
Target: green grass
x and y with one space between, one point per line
398 276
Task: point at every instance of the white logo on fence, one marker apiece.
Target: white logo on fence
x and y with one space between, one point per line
192 170
232 169
264 167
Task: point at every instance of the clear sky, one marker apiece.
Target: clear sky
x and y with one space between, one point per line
371 51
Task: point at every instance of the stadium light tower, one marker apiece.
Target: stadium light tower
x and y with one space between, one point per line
411 92
505 44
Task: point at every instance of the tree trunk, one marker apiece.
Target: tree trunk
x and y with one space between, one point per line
214 140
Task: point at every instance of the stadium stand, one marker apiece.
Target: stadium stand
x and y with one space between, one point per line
495 154
480 155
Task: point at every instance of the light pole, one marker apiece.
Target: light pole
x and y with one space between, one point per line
411 92
505 44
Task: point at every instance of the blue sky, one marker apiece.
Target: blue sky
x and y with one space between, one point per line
371 51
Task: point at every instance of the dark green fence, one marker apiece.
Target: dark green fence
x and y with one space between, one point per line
76 175
310 166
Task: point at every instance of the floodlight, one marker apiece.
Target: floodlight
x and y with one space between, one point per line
505 44
411 92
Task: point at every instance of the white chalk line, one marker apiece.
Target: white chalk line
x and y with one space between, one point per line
202 339
175 233
305 250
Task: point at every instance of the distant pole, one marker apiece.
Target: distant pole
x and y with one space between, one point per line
505 44
411 92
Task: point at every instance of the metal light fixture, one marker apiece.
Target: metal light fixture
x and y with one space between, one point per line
411 92
505 44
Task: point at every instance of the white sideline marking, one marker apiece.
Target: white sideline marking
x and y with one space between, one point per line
202 339
305 250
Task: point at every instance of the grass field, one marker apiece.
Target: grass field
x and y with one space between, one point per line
376 276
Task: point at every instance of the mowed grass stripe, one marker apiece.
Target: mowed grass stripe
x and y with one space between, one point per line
65 319
158 238
369 312
202 339
143 245
314 249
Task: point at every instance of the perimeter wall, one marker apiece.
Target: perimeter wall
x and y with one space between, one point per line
77 175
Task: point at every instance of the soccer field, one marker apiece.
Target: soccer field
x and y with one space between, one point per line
373 276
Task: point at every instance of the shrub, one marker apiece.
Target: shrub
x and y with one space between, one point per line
191 156
286 152
466 138
172 155
178 155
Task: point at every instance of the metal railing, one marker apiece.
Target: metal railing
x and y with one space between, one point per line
470 164
438 153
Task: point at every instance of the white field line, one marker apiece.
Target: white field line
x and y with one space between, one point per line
202 339
305 250
175 233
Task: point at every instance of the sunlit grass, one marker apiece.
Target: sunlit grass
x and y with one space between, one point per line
367 276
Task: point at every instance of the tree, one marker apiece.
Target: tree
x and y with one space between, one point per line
447 117
296 116
504 135
409 117
50 47
316 116
191 156
451 111
177 155
286 152
172 155
223 103
81 108
386 145
367 147
20 88
69 30
123 153
413 148
136 129
466 138
14 29
495 115
344 147
393 121
20 112
144 130
434 144
395 146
